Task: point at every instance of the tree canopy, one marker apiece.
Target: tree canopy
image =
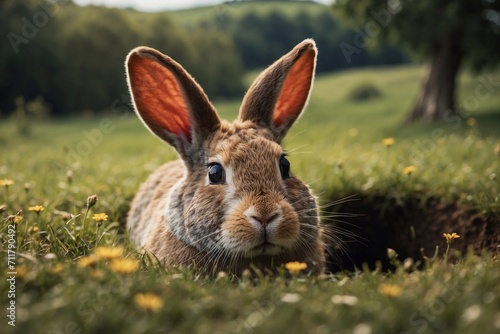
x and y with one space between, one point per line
448 33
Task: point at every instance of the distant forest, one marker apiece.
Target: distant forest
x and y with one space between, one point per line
70 59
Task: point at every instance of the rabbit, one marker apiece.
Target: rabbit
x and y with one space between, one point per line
230 202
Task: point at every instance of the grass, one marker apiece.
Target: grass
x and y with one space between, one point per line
336 147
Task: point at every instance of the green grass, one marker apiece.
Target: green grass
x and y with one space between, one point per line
336 147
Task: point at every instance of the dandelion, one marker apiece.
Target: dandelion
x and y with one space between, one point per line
86 261
290 298
56 269
344 300
408 170
6 183
450 237
449 241
27 187
99 218
148 301
91 201
17 218
390 290
36 208
108 253
295 267
33 229
96 273
388 142
21 272
124 266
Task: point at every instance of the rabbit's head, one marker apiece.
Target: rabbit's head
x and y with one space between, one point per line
238 198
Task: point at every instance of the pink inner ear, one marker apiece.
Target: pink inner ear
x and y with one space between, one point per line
295 90
159 98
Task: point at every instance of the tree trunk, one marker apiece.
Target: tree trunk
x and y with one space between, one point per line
436 100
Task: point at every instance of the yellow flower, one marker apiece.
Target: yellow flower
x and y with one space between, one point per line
471 121
124 266
33 229
409 169
148 301
36 208
96 273
21 272
100 217
86 261
388 141
16 219
450 237
108 253
6 183
56 269
390 290
295 267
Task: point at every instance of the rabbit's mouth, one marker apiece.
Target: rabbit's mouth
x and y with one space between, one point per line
265 248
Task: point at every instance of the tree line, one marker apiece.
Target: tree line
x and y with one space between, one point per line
73 57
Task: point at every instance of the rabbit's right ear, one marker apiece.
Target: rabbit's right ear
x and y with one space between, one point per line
169 101
280 93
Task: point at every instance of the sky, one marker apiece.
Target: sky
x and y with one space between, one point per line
156 5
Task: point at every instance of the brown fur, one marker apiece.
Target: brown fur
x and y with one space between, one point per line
254 217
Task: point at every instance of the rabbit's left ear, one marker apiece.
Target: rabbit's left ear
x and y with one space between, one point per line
280 93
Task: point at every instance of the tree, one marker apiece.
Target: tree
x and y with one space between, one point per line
448 33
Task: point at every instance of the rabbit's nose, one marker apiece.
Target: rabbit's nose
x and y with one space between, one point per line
265 220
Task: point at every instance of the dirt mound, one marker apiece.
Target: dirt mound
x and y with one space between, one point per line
409 229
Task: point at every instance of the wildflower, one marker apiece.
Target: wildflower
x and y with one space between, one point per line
408 170
344 300
471 121
290 298
33 229
392 254
99 218
108 253
124 266
36 208
96 273
388 142
6 183
21 272
148 301
390 290
86 261
91 201
27 187
3 208
450 237
17 218
69 177
56 269
295 267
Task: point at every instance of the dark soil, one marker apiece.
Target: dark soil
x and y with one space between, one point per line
411 229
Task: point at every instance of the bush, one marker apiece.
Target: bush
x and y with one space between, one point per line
364 92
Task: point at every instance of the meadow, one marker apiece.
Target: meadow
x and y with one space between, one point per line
78 273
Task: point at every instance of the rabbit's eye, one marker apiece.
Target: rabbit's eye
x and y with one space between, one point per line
284 167
216 173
